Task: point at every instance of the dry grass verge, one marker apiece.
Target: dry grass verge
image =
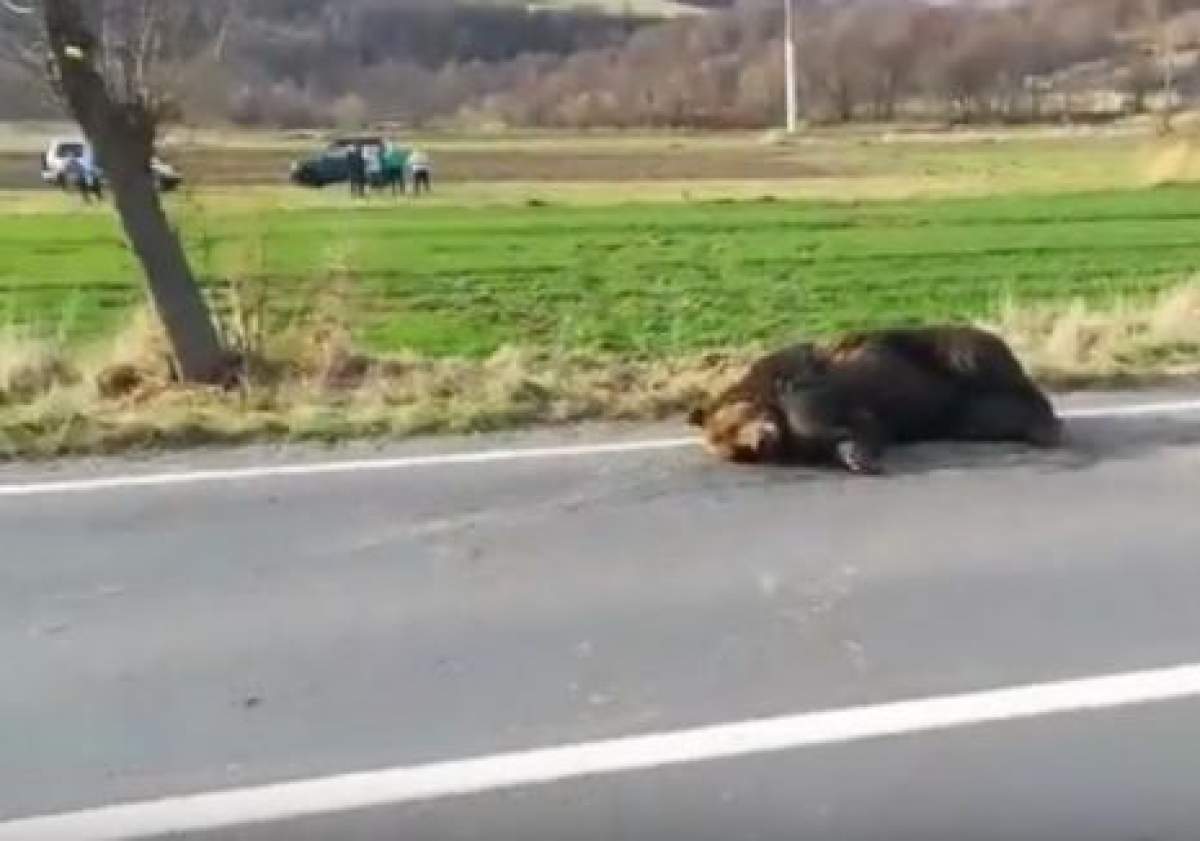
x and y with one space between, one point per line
311 384
315 386
1127 343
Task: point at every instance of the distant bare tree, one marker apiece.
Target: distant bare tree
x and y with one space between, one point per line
892 58
1160 36
971 71
1141 76
833 63
21 47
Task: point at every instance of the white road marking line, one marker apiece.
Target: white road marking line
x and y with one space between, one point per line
236 474
395 786
1135 410
242 474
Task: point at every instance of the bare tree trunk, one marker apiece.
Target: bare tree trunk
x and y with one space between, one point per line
121 127
176 295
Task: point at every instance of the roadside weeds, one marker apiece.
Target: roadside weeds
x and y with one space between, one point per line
308 381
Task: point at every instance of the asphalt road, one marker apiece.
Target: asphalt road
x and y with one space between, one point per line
165 640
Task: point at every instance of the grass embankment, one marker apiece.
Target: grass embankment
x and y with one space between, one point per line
311 385
485 317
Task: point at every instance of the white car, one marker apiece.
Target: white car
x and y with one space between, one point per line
62 150
58 155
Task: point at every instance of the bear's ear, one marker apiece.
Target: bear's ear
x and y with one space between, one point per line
697 416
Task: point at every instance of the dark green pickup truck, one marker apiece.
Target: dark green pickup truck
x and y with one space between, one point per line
330 165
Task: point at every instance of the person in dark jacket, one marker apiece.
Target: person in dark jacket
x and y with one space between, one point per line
357 166
395 164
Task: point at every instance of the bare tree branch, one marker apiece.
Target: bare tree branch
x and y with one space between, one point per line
233 10
23 46
18 10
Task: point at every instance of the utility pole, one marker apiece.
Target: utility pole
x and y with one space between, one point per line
789 59
1166 53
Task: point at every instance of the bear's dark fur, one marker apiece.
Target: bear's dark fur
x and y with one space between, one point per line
844 402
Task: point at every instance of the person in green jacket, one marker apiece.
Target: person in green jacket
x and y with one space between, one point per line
395 164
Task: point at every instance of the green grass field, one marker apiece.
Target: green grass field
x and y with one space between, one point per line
627 256
637 279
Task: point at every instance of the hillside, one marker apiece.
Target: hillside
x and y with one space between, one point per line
882 60
653 63
288 62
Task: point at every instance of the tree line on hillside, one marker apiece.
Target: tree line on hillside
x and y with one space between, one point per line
863 60
300 63
296 62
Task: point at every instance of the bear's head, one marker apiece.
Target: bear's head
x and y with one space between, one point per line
741 431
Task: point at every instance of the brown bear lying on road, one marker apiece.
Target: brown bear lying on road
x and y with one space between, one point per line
842 403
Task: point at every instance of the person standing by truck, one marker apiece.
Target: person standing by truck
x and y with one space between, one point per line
395 165
82 172
73 175
373 156
91 173
422 171
356 166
